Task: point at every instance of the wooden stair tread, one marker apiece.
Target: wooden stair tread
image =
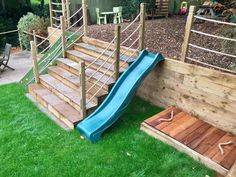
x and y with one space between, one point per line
74 79
64 109
101 50
89 59
71 94
195 137
89 72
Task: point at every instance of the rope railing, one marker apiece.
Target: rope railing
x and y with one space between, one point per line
131 35
212 51
214 21
8 32
214 36
210 65
56 3
74 14
187 43
75 23
102 53
127 27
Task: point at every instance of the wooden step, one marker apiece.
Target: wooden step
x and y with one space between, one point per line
55 105
73 81
73 67
66 93
97 51
102 44
100 65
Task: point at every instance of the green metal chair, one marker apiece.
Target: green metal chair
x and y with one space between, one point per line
100 18
118 18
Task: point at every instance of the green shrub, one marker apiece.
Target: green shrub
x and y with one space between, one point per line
131 7
29 23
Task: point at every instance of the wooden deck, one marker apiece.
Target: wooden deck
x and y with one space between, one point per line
194 137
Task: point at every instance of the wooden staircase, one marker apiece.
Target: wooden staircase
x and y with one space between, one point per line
58 90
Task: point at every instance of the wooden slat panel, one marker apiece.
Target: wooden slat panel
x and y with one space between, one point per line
209 141
179 125
198 140
176 118
215 149
195 134
229 159
189 130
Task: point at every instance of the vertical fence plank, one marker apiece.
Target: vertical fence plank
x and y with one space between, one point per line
50 12
35 42
188 27
20 40
63 5
85 17
117 52
68 12
35 62
142 27
63 36
82 89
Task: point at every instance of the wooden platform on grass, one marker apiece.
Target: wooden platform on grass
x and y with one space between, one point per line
198 139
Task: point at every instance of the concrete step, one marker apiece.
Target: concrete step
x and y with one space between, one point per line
66 93
73 81
73 67
55 105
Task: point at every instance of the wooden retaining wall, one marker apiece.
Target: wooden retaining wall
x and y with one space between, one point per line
205 93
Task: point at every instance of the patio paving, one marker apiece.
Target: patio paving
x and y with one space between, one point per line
21 62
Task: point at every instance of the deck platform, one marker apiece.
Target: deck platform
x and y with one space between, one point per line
198 139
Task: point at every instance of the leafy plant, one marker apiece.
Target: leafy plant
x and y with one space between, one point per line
131 7
31 22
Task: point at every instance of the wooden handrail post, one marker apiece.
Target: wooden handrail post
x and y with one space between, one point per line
117 52
63 36
68 12
85 17
188 27
20 40
82 89
35 41
142 27
63 5
50 12
35 62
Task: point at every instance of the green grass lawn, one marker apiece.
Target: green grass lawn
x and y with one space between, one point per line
32 145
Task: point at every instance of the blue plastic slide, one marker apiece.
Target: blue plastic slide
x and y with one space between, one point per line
119 97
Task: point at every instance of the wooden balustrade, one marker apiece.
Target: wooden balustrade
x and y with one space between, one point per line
117 52
142 27
35 62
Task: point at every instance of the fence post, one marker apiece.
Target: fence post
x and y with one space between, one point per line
20 41
188 27
63 5
85 17
82 89
35 42
63 36
68 13
142 27
117 52
35 62
50 12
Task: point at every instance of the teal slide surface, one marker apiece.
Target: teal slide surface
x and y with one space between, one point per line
119 97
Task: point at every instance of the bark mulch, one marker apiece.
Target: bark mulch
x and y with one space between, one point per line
167 35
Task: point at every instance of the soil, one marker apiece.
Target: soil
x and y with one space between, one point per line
167 35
